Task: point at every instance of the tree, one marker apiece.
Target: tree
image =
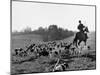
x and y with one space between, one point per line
41 29
53 33
27 29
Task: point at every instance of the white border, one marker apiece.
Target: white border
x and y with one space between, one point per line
5 36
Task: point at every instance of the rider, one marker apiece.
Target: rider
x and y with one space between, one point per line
81 28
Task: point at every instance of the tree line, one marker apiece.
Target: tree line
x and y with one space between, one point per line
53 32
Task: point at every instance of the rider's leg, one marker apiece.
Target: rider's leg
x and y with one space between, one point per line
86 36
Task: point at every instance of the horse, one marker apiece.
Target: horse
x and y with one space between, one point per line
81 36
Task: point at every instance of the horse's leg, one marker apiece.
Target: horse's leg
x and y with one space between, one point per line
79 42
75 42
85 42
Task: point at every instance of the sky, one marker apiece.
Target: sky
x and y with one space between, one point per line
35 15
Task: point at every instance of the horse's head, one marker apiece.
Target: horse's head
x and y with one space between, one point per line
86 29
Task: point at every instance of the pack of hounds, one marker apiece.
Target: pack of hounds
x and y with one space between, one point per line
51 49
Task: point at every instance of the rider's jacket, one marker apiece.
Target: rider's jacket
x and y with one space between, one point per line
80 27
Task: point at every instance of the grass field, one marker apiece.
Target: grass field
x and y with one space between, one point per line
43 64
20 41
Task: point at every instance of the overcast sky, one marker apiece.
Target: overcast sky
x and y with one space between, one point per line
34 15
